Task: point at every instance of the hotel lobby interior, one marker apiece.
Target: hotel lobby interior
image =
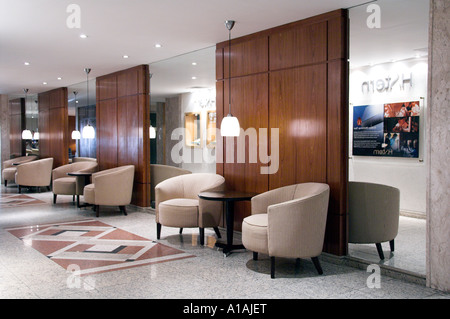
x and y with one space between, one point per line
124 175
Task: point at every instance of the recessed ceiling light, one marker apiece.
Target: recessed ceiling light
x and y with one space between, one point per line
194 63
157 45
26 63
194 78
125 56
60 78
83 36
44 83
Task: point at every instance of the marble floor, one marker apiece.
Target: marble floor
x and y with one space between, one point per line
27 273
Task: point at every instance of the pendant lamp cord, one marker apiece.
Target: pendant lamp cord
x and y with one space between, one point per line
229 71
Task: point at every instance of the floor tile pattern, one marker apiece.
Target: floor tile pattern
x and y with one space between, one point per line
92 246
17 200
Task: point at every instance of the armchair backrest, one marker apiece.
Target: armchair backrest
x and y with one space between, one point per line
61 171
187 186
21 159
373 211
83 159
114 186
35 173
159 173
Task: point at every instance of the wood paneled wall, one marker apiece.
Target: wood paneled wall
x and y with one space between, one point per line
17 123
54 126
294 78
123 119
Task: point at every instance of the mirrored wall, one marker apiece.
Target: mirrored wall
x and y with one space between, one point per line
82 113
388 73
182 111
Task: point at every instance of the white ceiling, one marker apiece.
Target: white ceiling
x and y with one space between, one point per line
35 31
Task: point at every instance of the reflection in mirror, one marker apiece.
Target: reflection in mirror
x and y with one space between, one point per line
388 56
32 123
80 115
182 95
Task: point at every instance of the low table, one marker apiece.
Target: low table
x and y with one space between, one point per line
84 179
229 197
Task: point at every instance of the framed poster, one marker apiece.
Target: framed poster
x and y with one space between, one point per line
390 129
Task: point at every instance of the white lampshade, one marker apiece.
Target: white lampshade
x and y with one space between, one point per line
76 135
152 132
88 131
36 136
26 135
230 126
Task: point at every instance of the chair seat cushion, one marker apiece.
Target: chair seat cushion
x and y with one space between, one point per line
179 211
9 174
89 194
65 186
254 233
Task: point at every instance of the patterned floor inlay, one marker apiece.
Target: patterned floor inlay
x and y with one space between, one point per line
18 200
94 247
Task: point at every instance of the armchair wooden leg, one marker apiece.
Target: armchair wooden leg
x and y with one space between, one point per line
380 250
216 229
54 198
255 255
97 210
391 244
73 198
123 210
272 267
6 182
158 230
202 236
316 263
181 230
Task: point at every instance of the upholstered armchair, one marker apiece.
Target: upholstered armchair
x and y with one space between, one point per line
159 173
288 222
178 205
373 214
111 187
10 168
62 184
36 173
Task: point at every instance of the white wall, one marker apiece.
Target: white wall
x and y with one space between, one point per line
407 174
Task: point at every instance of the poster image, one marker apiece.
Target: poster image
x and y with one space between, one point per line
390 130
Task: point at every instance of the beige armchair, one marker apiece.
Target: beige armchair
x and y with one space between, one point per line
373 214
71 185
288 222
36 173
111 187
177 203
10 168
159 173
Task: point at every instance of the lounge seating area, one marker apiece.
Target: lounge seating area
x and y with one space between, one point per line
10 167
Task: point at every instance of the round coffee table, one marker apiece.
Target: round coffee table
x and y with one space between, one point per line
228 197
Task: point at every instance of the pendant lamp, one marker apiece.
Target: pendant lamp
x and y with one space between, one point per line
88 131
26 134
76 135
230 124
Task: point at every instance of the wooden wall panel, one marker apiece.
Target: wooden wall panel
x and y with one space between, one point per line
123 119
299 46
305 95
107 144
249 57
298 109
54 126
